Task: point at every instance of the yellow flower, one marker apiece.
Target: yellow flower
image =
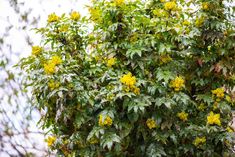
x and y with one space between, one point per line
53 85
105 120
75 16
151 123
50 140
135 90
36 50
165 59
159 13
213 119
183 116
199 21
56 60
128 80
111 62
49 68
229 129
64 28
119 2
95 14
177 83
199 141
162 1
219 93
52 18
186 23
108 121
170 6
205 5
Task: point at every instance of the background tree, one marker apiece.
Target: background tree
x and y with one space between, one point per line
16 132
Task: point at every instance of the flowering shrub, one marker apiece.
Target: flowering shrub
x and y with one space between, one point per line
137 78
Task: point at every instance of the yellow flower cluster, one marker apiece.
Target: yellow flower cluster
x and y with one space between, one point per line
49 67
64 28
135 90
75 16
105 120
199 21
186 23
160 13
213 119
205 5
50 140
165 59
128 79
36 50
183 116
151 123
199 141
53 85
177 83
170 5
111 62
95 14
130 82
219 93
56 60
119 2
53 18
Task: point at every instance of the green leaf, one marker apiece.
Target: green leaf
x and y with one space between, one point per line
181 97
164 75
125 130
108 140
207 98
79 120
95 132
155 150
164 101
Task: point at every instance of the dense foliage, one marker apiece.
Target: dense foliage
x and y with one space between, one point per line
137 78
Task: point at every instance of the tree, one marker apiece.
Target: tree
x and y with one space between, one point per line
17 135
137 78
